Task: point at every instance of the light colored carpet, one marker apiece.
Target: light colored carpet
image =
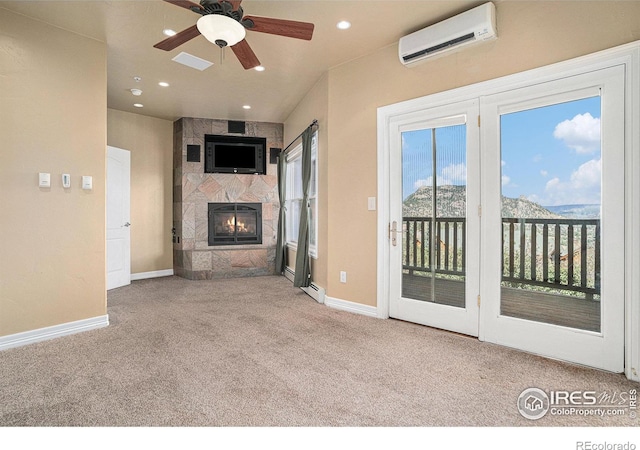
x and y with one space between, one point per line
258 352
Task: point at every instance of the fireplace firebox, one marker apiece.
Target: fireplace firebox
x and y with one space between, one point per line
235 223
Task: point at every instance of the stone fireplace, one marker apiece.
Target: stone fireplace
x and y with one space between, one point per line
203 201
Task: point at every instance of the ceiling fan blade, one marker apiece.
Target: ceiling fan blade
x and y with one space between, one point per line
245 54
185 4
179 39
281 27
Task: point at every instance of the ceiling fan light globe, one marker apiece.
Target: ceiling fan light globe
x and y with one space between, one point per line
215 27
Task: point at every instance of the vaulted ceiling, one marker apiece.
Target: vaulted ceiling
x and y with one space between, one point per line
131 28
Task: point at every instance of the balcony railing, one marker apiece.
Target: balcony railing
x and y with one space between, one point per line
447 256
562 254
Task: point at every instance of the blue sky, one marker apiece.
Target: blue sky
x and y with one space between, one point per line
550 155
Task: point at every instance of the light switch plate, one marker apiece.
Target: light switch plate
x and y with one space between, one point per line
371 202
66 180
87 182
44 179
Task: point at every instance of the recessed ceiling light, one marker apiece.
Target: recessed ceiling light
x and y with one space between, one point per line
259 68
136 92
169 32
344 25
247 107
138 105
163 84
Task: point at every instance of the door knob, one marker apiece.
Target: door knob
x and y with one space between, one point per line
127 224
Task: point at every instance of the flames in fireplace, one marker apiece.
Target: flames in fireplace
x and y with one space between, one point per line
231 226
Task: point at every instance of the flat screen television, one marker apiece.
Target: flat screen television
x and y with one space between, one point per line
235 154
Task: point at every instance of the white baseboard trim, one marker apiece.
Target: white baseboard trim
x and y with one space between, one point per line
154 274
314 291
352 307
320 295
56 331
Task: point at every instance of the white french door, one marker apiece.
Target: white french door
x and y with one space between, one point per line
505 218
553 277
434 221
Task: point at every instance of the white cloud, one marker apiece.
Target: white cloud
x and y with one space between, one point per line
453 174
588 175
583 187
503 163
544 173
420 183
505 180
582 133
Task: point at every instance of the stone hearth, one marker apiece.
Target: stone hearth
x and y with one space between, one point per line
193 257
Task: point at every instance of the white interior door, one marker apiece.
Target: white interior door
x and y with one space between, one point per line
552 228
118 217
434 231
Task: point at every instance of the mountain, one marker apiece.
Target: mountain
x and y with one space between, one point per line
521 207
576 211
451 202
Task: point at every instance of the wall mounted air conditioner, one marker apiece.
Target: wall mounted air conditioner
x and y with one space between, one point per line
468 28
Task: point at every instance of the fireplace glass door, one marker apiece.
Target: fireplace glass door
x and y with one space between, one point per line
235 223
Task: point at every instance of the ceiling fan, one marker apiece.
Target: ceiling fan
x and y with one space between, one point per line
223 22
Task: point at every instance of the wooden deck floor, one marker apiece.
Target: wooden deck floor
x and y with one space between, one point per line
530 305
448 292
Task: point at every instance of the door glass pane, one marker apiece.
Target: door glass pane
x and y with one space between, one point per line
433 226
551 203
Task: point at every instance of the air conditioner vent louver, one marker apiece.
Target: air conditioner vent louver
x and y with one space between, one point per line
436 48
470 27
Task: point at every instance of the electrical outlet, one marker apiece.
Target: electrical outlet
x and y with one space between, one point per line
343 277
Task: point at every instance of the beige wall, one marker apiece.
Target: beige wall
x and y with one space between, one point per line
150 142
52 119
531 34
315 106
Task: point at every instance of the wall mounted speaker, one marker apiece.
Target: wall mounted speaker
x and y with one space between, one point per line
193 153
237 127
273 155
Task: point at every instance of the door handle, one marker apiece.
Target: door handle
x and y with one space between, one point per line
127 224
393 231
